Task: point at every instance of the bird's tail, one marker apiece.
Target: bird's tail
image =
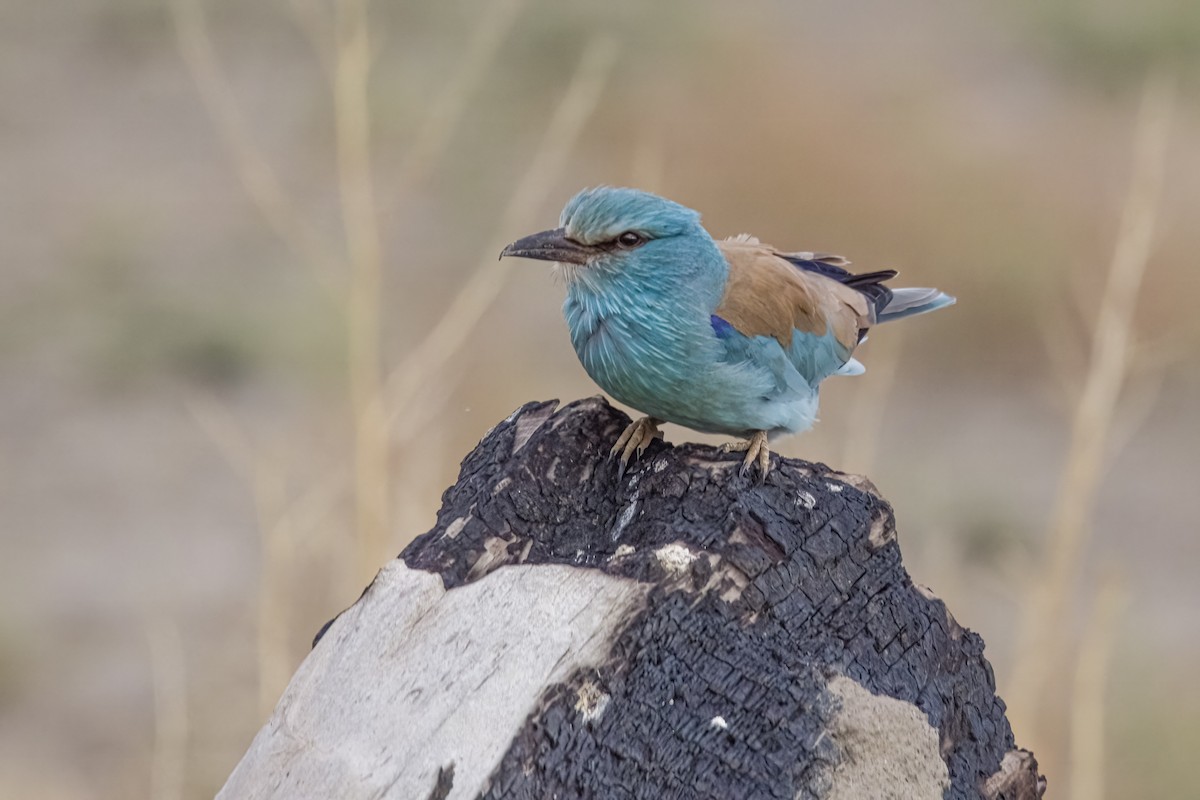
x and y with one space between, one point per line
910 302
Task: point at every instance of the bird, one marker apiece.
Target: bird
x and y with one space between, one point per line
727 336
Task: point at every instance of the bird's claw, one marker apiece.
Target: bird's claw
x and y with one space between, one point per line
757 452
636 437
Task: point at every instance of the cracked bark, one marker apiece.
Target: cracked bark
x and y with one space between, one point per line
679 633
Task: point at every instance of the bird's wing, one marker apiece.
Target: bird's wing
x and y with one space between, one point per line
770 294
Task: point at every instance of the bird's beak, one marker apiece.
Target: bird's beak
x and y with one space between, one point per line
549 246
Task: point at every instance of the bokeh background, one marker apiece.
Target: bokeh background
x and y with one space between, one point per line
251 318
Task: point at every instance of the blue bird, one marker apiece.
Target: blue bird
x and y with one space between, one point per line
729 337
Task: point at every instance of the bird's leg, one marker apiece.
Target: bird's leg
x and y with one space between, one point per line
637 437
756 449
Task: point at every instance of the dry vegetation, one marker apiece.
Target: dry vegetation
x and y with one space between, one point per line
279 335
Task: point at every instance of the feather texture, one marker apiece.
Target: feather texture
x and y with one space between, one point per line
766 295
727 337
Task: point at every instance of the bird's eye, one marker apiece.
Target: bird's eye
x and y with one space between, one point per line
629 239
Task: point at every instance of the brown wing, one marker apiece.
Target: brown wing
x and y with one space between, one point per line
767 296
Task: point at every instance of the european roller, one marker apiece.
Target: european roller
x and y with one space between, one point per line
731 337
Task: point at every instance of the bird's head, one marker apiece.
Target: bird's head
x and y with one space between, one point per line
609 228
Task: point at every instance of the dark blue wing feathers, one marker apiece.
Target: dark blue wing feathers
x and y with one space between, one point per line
869 284
721 327
819 265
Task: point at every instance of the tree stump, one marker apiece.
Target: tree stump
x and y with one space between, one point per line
683 632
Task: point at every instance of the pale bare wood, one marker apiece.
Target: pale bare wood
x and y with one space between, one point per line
413 678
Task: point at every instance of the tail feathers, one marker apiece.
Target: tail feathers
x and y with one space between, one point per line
910 302
851 367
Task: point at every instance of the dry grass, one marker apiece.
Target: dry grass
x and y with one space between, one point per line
1048 607
454 327
386 416
393 414
397 400
443 116
252 168
372 470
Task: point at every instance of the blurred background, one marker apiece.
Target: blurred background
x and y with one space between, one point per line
251 319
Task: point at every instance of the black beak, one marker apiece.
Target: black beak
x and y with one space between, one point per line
549 246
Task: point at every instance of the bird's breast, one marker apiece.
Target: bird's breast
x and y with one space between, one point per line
632 350
676 369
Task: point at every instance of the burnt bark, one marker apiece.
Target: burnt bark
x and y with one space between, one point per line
742 639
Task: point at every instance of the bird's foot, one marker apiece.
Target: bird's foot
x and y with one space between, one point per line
637 437
757 451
